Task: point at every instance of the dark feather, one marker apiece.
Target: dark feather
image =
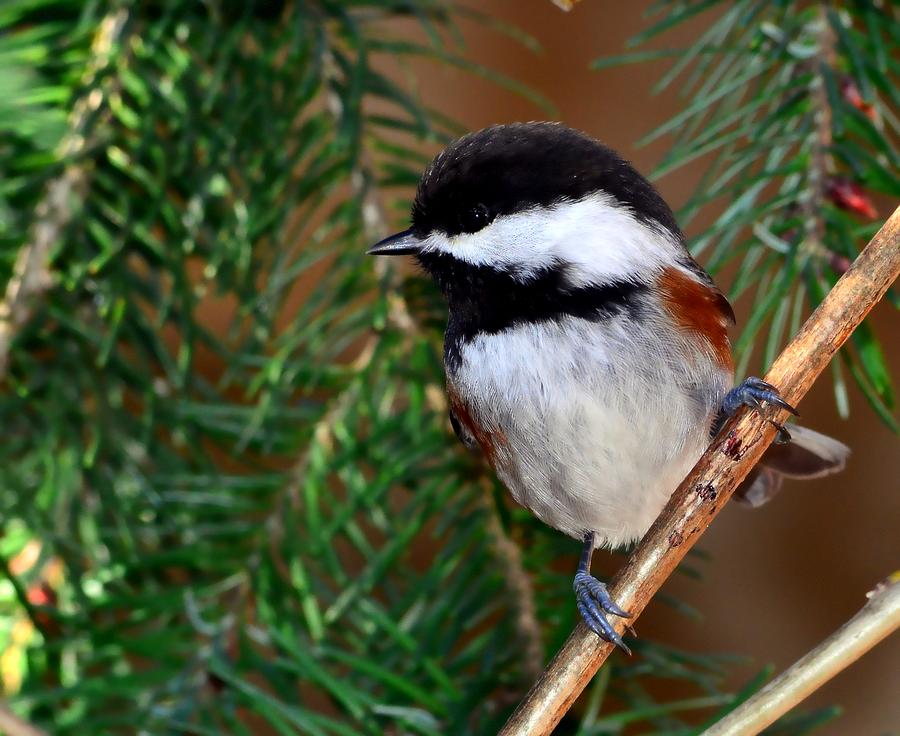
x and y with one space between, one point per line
808 455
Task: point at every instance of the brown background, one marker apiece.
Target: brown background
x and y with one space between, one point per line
783 577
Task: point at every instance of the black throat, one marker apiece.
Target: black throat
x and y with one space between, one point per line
486 300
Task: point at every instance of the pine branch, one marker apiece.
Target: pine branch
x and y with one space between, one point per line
249 507
521 590
791 106
31 273
375 227
821 165
879 618
710 484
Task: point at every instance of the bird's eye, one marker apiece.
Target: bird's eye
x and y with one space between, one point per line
474 218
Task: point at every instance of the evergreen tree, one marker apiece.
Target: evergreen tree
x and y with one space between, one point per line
229 498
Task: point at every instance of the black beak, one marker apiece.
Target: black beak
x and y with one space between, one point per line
401 244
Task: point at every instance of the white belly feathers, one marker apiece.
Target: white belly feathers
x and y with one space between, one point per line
592 429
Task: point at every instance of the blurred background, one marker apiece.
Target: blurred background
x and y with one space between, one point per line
231 501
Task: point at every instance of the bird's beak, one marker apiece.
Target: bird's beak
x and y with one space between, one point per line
401 244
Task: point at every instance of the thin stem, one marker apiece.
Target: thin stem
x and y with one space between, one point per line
13 725
879 618
821 164
31 273
518 583
714 478
565 5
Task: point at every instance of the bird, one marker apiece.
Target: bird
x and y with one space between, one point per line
586 352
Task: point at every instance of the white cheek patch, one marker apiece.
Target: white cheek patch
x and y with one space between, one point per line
596 239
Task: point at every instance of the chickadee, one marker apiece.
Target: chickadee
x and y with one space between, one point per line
586 351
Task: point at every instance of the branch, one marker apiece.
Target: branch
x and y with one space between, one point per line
566 5
712 481
31 273
879 618
521 591
13 725
821 163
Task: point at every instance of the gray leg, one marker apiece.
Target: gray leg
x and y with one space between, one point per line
753 392
593 599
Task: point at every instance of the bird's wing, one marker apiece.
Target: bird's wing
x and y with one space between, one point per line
463 432
721 301
809 454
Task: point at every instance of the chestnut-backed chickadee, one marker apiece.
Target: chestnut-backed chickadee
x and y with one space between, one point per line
586 352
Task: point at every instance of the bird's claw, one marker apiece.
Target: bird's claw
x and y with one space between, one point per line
782 437
753 392
594 603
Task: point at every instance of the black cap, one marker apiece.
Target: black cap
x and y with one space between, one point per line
509 168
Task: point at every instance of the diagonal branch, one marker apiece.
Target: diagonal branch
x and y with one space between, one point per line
13 725
31 276
566 5
874 622
712 481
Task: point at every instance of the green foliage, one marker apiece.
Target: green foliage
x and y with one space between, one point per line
793 108
229 496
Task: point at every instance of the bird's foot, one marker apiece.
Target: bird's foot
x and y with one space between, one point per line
753 392
594 603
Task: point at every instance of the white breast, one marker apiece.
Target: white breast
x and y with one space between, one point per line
595 428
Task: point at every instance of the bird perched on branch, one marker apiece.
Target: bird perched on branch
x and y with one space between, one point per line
586 352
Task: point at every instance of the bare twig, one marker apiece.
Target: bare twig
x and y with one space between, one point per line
712 481
879 618
821 165
521 589
31 272
12 725
566 5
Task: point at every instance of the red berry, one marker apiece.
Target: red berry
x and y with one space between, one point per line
850 196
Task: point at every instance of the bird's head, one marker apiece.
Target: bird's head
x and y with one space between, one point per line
530 199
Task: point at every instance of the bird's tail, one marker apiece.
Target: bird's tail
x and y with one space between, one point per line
809 454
